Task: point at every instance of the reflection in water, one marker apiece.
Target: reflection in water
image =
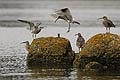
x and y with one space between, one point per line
14 68
97 75
50 73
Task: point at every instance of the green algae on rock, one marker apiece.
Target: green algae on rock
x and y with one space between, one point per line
50 51
101 48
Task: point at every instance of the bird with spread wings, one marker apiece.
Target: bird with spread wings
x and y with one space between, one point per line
35 29
65 15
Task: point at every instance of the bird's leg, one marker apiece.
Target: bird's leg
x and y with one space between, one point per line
33 36
109 29
79 50
68 27
106 29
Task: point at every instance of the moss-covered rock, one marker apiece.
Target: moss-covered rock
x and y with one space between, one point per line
101 48
50 51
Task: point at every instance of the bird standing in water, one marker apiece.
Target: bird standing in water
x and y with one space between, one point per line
35 29
80 41
65 14
107 23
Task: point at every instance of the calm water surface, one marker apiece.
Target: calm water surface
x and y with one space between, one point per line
12 33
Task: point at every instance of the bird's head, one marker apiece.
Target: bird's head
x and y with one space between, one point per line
104 17
79 34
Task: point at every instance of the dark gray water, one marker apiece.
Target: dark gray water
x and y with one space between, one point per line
12 33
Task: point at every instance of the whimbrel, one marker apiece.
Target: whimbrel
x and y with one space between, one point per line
80 41
65 14
35 29
107 23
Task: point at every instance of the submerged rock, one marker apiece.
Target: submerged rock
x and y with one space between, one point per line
101 48
50 51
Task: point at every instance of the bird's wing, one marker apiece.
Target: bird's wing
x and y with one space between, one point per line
55 15
68 11
64 11
105 23
59 13
28 22
80 41
110 23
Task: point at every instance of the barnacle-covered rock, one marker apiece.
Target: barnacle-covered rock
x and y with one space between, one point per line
50 51
101 48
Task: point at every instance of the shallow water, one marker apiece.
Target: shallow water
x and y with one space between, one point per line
13 55
12 33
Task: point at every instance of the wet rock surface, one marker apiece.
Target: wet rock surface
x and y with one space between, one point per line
50 51
103 49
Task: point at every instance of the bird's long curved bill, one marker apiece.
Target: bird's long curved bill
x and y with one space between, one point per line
22 42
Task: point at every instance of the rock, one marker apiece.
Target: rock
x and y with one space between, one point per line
93 65
50 51
101 48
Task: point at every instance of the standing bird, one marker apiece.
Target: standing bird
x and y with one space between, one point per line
35 29
27 45
65 14
107 23
80 41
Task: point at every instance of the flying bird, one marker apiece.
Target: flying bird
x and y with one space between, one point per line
35 29
107 23
65 14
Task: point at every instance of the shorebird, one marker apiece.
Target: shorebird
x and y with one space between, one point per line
107 23
80 41
65 14
35 29
27 45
